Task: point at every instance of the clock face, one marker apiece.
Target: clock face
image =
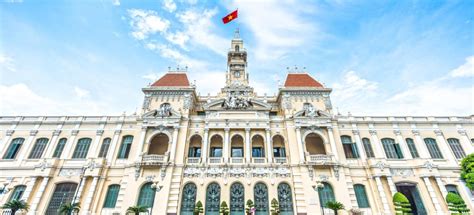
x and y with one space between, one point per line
237 74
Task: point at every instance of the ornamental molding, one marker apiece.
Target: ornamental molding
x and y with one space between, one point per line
260 172
429 165
33 132
438 132
10 132
415 132
56 132
215 172
43 165
74 132
187 101
397 132
117 132
323 178
99 132
355 132
402 172
237 172
69 172
286 101
372 132
381 165
192 172
462 132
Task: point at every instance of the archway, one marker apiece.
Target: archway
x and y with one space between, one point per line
195 146
237 147
258 146
188 200
159 145
314 144
213 199
260 195
285 199
237 199
413 195
216 146
279 150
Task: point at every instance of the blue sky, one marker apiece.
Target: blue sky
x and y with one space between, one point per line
93 57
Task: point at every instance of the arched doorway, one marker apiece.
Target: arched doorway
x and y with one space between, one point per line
188 200
63 193
285 199
158 145
314 144
260 194
237 199
213 199
413 195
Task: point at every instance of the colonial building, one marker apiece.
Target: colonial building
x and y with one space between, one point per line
234 146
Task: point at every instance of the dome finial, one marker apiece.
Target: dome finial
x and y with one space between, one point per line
237 34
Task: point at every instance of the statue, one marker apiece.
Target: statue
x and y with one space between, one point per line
236 102
164 111
310 111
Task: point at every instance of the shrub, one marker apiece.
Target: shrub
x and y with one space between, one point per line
467 170
456 204
198 208
275 207
335 206
401 203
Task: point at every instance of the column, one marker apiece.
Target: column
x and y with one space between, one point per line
359 145
113 145
445 149
403 144
141 142
29 188
248 149
205 144
300 144
174 143
333 143
391 185
226 149
420 145
466 142
94 150
432 193
379 153
38 196
383 195
27 146
70 142
79 192
269 145
90 195
52 144
441 186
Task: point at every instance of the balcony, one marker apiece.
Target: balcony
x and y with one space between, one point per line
320 159
193 160
237 160
258 160
154 160
280 160
215 160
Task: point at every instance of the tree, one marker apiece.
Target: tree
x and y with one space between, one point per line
456 204
137 209
401 203
467 170
275 207
224 209
16 205
250 207
69 208
198 208
335 206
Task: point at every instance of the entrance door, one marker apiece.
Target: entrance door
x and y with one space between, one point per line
237 201
188 201
411 192
260 193
213 199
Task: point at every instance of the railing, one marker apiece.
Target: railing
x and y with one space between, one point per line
237 160
194 160
280 160
320 159
154 159
258 160
215 160
7 212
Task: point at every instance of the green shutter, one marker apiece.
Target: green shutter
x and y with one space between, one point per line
13 149
147 196
125 147
82 148
59 148
111 197
433 148
361 196
17 192
326 194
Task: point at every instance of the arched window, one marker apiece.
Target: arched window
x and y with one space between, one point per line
213 199
17 192
146 196
350 148
14 148
38 148
433 148
368 148
326 194
361 196
285 199
412 148
59 148
260 195
112 195
258 148
125 147
195 146
63 193
237 199
237 48
457 148
392 149
188 200
278 147
451 188
104 148
237 146
82 148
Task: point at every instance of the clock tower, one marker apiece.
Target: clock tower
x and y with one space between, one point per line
237 63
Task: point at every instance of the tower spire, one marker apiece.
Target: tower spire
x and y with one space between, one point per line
237 34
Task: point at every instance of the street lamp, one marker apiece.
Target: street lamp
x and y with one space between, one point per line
157 188
318 187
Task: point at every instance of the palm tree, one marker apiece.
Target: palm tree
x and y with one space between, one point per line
69 208
137 209
335 206
16 205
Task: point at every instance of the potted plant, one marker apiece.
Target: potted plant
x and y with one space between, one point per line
224 209
198 208
275 207
401 203
69 208
250 209
456 204
16 205
335 206
137 209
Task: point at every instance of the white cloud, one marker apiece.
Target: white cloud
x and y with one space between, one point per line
178 38
116 2
81 93
146 22
354 88
169 5
465 70
7 63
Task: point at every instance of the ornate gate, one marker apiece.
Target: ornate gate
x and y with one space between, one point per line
260 193
285 199
213 199
237 201
189 199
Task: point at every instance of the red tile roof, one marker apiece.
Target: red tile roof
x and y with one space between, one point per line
301 80
172 80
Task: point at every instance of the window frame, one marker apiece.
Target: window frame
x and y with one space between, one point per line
14 148
361 196
111 196
38 148
59 147
125 147
431 144
412 147
82 148
456 148
368 147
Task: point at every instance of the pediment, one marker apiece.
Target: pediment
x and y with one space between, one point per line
250 104
153 114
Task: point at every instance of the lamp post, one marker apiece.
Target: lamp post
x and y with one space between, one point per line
318 187
157 188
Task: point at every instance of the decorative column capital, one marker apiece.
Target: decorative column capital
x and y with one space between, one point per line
355 132
415 132
462 132
372 132
10 132
397 132
206 129
99 132
227 129
298 127
33 132
268 130
74 132
329 128
56 132
117 132
438 132
247 129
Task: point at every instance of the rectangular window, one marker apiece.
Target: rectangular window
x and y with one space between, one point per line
257 152
194 152
412 148
279 152
216 151
237 152
350 148
398 151
59 148
125 147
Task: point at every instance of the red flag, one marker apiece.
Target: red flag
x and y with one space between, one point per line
230 17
